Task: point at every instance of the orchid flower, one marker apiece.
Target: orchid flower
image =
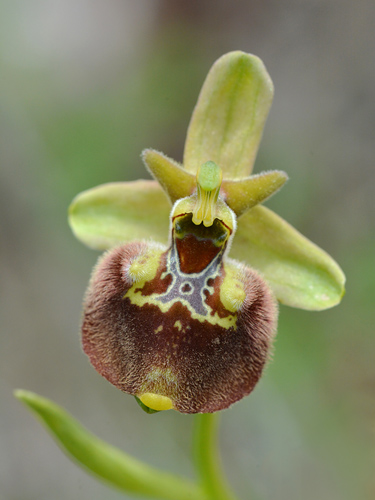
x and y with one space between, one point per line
181 309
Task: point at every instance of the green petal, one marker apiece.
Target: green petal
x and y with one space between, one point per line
300 273
174 179
110 214
241 195
105 461
228 120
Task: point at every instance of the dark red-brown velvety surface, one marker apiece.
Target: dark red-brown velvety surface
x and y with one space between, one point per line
189 247
214 366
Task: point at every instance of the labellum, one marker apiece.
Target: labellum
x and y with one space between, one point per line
181 327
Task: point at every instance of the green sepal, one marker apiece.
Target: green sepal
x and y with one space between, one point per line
299 272
145 408
242 194
114 213
173 178
228 120
106 462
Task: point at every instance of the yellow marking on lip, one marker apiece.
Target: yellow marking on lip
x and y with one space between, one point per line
144 269
134 294
140 300
158 329
178 325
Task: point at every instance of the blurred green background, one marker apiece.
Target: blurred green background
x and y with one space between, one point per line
85 86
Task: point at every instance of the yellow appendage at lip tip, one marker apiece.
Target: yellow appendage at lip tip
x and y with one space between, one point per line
156 401
209 177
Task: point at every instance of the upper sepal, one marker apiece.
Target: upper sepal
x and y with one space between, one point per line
228 120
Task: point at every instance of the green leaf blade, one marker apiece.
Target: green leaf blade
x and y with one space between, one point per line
228 120
114 213
300 273
105 461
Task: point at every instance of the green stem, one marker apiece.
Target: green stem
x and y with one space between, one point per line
207 458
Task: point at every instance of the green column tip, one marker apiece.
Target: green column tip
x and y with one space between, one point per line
209 176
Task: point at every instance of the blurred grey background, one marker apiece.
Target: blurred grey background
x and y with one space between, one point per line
85 86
